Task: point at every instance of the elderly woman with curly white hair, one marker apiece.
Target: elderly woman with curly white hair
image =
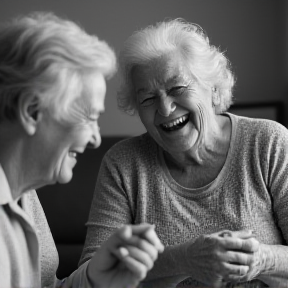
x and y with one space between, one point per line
52 89
215 184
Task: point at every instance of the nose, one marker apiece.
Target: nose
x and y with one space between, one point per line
166 106
95 139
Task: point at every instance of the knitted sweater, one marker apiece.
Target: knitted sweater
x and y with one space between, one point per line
134 186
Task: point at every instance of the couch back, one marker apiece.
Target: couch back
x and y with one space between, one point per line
67 206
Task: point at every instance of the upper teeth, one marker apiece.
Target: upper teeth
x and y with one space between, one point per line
175 122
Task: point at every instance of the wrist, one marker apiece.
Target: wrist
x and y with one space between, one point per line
267 258
188 256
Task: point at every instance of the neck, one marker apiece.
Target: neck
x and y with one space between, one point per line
214 146
12 149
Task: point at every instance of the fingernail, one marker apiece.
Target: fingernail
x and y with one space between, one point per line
123 252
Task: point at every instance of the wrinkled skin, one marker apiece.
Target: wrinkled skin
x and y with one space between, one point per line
215 259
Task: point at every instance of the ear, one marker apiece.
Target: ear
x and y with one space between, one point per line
29 113
215 97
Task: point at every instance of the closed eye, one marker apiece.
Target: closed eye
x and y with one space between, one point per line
176 90
147 101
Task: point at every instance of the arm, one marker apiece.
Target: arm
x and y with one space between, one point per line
110 209
122 261
271 261
276 256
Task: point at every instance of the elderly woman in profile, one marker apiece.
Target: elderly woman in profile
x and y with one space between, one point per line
215 184
52 89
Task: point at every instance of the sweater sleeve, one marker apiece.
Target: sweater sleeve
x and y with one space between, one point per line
277 154
110 207
275 273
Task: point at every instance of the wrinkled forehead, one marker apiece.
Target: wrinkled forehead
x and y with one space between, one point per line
165 70
92 93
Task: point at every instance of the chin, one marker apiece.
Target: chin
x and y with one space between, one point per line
63 179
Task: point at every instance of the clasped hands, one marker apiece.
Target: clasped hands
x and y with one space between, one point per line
125 258
225 256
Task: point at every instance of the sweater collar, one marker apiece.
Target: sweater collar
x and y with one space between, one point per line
5 191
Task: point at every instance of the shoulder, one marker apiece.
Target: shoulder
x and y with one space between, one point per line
256 128
260 138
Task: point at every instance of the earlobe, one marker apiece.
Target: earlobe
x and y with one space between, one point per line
29 113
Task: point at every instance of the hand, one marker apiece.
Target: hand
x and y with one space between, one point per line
125 258
215 259
260 261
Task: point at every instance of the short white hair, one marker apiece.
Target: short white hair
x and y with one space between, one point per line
204 61
43 54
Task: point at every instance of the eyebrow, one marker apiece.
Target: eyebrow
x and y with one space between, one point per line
175 77
141 90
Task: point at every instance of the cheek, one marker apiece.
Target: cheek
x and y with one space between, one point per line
196 105
147 116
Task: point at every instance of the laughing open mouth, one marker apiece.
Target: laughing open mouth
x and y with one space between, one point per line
175 124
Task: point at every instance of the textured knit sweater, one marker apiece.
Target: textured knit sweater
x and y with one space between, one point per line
251 191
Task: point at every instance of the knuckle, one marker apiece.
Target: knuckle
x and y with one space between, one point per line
141 243
243 270
240 258
217 254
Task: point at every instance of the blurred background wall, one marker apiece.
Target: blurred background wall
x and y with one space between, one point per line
254 34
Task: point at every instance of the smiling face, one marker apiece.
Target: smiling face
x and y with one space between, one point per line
59 143
174 107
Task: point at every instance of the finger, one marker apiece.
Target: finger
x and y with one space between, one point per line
236 278
125 232
130 253
144 230
235 270
144 245
239 258
121 253
140 256
138 269
151 236
243 234
246 245
147 247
